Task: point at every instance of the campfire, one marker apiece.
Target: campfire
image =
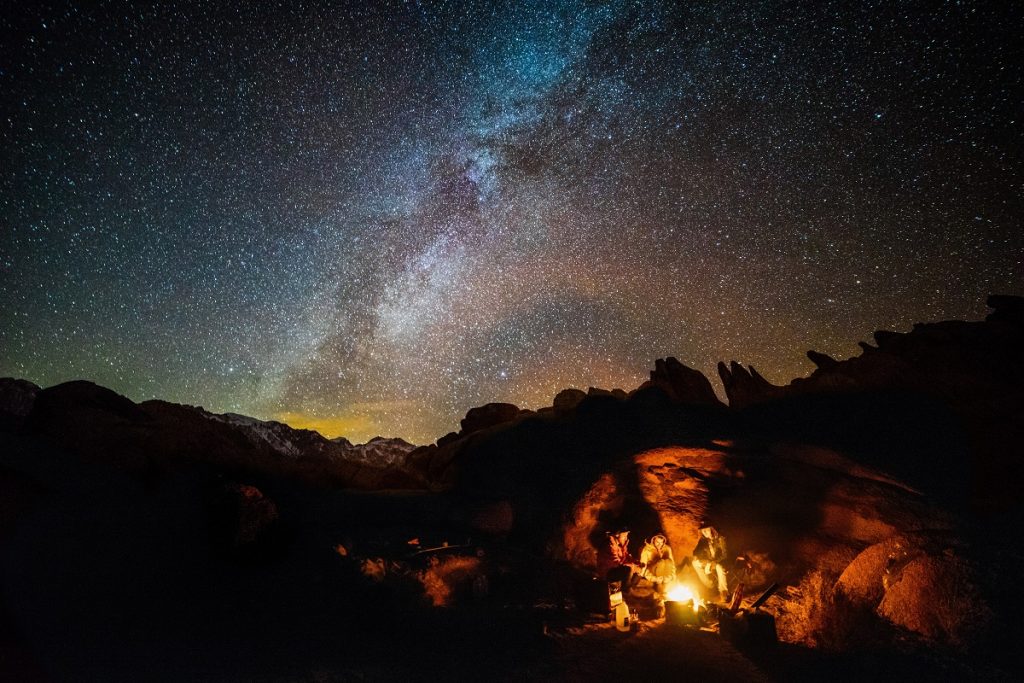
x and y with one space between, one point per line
682 605
681 593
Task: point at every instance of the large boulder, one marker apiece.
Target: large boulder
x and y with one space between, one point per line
677 482
494 518
922 582
567 399
937 596
614 393
242 517
863 579
791 505
661 490
681 384
486 416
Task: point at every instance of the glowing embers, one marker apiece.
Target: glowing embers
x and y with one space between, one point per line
682 606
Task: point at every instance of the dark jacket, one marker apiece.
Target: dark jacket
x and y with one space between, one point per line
710 549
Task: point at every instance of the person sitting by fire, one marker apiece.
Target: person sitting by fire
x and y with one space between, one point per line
708 557
616 562
658 566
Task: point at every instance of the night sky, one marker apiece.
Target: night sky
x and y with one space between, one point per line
368 219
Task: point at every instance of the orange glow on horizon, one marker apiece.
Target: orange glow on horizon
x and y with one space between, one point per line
355 428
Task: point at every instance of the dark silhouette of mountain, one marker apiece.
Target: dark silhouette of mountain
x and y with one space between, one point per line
157 436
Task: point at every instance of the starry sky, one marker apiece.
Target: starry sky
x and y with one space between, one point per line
367 218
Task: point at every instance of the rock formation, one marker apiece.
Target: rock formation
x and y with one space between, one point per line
487 416
567 399
923 581
744 386
16 399
1006 309
681 383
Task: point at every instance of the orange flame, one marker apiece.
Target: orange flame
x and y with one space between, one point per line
682 593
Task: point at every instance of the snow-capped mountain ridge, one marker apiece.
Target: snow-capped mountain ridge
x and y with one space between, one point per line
296 443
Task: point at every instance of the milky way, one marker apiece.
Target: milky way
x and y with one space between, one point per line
368 219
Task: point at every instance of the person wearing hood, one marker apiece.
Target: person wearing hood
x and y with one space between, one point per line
658 566
708 557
